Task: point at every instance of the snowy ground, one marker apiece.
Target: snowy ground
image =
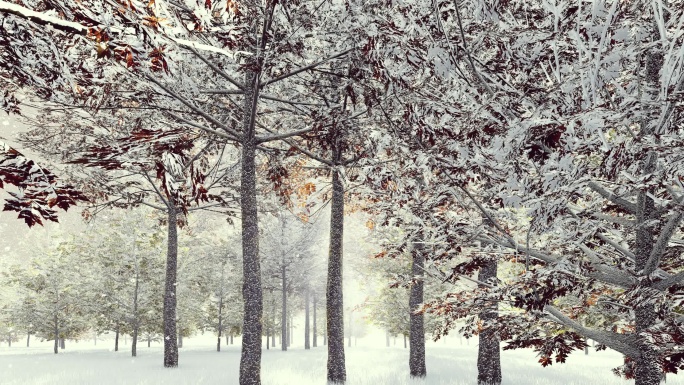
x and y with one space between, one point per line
368 363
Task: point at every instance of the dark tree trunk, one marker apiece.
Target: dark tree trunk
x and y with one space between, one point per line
220 319
647 370
219 328
170 332
417 328
488 355
149 341
307 343
334 301
56 331
231 339
136 322
405 343
134 344
116 339
315 329
28 339
268 338
250 360
283 317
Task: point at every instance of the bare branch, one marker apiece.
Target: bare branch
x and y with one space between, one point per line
658 249
209 130
616 246
192 107
219 71
669 281
624 203
617 342
284 135
306 68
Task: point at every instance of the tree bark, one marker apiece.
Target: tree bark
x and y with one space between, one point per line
334 301
488 355
56 331
220 320
136 321
149 341
307 342
28 339
283 316
405 343
315 329
417 326
170 345
250 360
647 370
116 339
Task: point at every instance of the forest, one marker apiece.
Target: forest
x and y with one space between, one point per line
506 171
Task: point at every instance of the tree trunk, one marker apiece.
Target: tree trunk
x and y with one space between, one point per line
268 338
62 343
28 339
220 324
149 341
116 339
231 339
180 338
250 360
488 355
417 327
315 329
647 370
56 331
134 343
170 345
9 340
405 344
307 344
136 321
334 301
283 316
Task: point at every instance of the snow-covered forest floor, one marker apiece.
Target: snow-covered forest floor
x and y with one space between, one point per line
448 363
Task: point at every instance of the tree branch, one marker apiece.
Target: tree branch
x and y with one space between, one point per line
305 68
209 130
192 107
219 71
617 342
285 135
616 246
624 203
42 19
658 249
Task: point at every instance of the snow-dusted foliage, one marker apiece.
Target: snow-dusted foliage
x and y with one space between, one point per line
38 191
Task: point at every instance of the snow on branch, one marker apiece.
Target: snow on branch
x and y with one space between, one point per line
624 203
665 235
43 19
614 341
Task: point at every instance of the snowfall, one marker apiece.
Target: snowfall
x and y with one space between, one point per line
369 362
